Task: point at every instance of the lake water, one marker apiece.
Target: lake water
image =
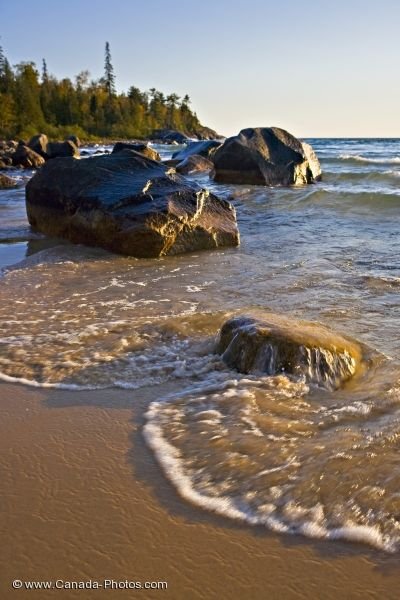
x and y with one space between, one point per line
263 450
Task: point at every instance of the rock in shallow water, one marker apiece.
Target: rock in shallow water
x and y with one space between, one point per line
129 204
205 149
169 136
7 182
274 344
194 164
62 149
141 148
38 143
266 156
26 157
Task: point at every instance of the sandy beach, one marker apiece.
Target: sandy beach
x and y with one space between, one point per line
84 500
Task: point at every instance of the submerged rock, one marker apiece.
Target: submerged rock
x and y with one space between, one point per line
206 149
266 156
274 344
129 204
194 164
141 148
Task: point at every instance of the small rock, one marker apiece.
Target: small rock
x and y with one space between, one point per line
141 148
62 149
75 140
26 157
273 344
194 164
206 149
38 143
7 182
5 162
169 136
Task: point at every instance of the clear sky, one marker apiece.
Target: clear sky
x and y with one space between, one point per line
315 68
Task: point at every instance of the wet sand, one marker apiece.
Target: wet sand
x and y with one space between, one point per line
83 499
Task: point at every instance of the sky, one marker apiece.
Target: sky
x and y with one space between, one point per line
316 68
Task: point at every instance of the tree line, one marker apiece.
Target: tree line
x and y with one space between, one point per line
32 102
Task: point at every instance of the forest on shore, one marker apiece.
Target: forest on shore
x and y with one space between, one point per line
33 101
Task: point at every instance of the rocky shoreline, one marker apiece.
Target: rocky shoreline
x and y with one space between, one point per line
131 202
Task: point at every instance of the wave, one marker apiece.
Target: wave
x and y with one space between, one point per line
260 451
365 176
49 385
366 159
169 459
393 173
143 357
353 198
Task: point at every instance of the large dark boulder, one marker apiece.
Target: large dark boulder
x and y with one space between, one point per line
26 157
129 204
62 149
273 344
266 156
206 149
141 148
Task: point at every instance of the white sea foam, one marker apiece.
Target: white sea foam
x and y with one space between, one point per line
48 384
254 449
391 172
132 361
365 535
358 408
169 459
289 517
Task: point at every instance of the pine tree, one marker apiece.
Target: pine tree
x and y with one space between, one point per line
6 74
185 101
27 99
45 74
109 76
173 117
2 58
46 95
